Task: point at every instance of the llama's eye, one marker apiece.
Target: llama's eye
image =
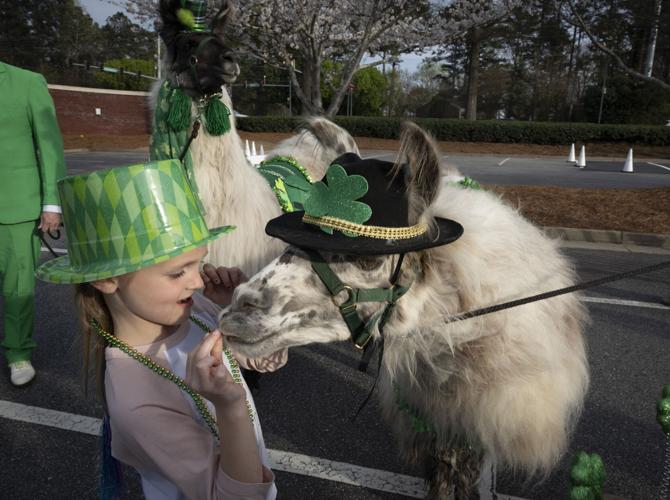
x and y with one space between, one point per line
368 263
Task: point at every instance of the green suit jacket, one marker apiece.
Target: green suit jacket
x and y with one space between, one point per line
31 147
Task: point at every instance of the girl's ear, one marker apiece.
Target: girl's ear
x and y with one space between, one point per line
106 286
422 158
223 16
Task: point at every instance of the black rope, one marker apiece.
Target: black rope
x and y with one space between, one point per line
194 134
57 236
560 291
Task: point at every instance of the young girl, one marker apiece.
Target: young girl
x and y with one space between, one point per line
179 410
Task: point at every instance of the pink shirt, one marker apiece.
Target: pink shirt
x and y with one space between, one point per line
156 430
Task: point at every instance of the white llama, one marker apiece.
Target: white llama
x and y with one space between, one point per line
507 386
232 191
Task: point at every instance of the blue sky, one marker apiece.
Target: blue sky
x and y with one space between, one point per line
100 10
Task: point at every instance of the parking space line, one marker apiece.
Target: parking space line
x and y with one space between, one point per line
57 250
503 162
657 165
628 303
295 463
284 461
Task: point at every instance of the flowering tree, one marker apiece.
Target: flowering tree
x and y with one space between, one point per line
299 35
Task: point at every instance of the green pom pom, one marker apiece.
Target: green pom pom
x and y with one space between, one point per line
217 117
185 17
179 114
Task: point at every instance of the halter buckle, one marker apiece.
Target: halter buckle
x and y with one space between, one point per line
361 347
350 293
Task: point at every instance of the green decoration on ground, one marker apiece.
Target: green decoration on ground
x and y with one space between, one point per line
289 181
337 198
663 410
587 477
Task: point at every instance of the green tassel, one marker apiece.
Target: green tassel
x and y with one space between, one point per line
179 113
217 117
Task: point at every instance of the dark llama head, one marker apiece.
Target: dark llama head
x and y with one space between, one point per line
199 59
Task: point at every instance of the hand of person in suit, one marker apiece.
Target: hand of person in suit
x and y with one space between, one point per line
49 221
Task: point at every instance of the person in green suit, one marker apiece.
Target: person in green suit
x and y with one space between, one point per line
31 161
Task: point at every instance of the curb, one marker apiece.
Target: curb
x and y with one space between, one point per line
610 236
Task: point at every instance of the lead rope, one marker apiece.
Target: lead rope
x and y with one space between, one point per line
367 353
554 293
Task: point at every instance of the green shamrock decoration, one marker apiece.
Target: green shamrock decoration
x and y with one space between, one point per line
337 198
663 410
587 477
289 181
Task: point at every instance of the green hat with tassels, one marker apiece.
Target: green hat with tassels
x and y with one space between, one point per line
124 219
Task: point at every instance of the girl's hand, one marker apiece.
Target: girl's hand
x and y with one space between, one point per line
208 376
220 282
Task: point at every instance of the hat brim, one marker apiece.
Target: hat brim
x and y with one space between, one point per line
291 229
60 269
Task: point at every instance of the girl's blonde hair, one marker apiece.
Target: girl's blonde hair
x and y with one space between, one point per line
91 305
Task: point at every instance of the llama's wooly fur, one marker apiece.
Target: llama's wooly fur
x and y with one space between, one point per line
234 193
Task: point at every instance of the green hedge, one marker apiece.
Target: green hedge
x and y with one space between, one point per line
479 131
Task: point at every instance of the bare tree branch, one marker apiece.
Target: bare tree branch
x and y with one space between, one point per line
603 48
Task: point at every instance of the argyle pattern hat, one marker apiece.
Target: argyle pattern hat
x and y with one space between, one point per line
123 219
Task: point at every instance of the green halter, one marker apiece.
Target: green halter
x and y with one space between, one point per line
361 332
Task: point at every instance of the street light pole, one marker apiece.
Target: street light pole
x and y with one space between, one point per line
158 57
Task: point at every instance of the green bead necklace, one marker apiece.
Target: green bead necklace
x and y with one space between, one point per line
198 400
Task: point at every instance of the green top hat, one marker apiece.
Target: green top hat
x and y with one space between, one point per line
193 14
123 219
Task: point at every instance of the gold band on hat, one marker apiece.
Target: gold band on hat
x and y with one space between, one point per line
379 232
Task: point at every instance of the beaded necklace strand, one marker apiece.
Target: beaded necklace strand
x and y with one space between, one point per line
198 400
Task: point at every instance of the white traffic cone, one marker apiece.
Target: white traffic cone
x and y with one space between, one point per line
571 154
581 163
262 151
247 152
628 166
253 148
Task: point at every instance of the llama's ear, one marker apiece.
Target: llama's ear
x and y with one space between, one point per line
170 24
419 151
225 13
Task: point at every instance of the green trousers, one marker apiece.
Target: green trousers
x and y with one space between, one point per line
19 253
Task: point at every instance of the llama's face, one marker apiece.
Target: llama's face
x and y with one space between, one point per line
203 63
200 62
286 304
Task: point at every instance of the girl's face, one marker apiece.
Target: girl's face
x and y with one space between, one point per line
159 294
